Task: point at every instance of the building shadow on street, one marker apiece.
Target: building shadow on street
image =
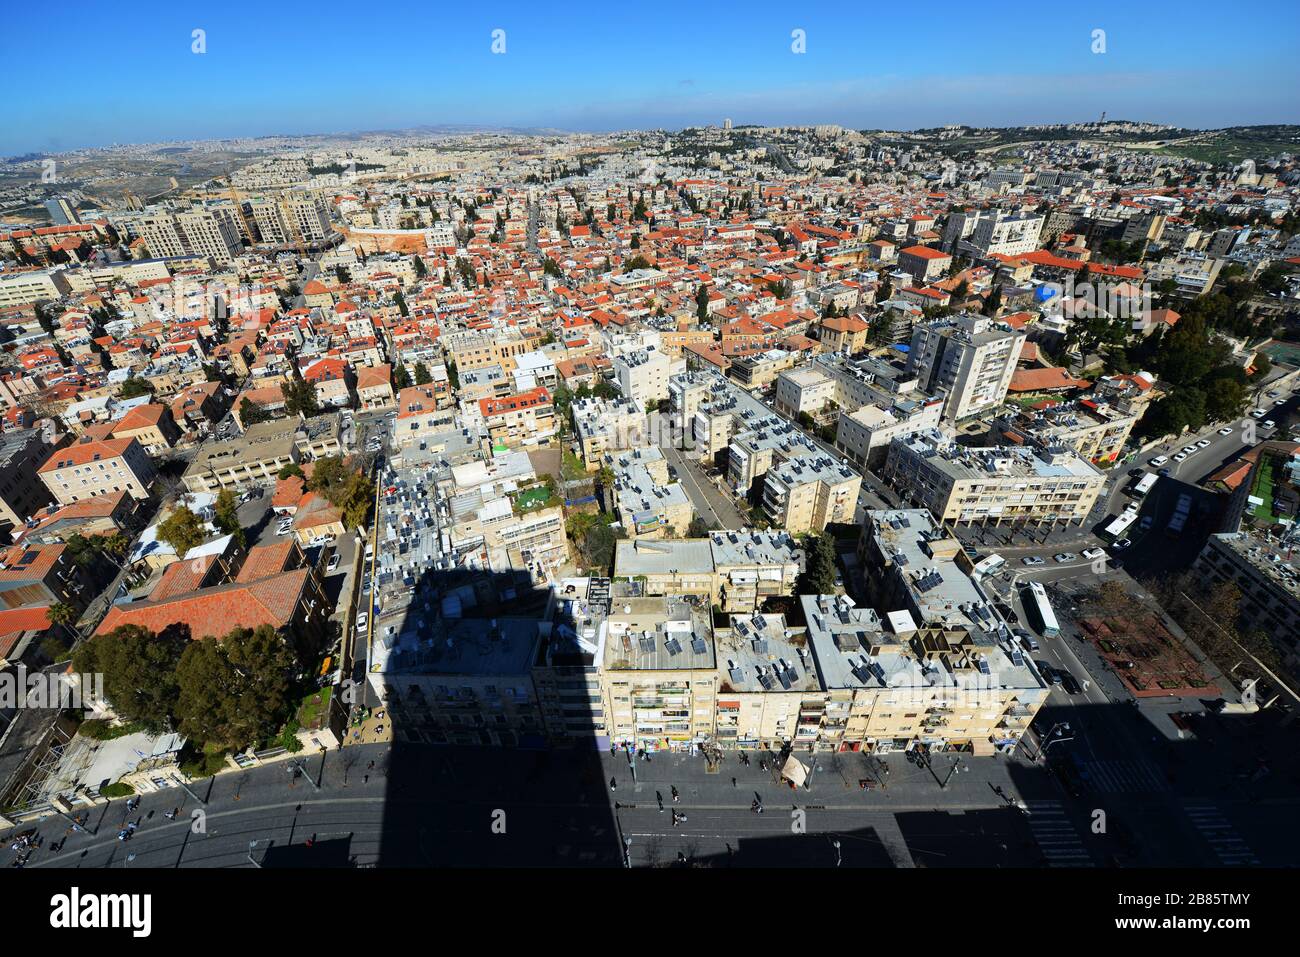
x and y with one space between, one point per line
496 753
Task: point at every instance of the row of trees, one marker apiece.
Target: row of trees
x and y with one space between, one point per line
226 693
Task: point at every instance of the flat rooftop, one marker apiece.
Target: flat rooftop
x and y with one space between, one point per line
687 556
657 634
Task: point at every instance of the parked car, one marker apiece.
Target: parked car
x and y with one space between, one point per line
1259 413
362 620
1050 674
1033 560
1026 639
1064 557
1270 424
1158 460
1189 449
1070 683
1092 554
1203 444
285 527
1147 522
1120 544
333 562
1180 456
1225 431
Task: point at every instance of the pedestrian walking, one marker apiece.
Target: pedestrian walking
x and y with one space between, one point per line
676 797
660 798
613 784
733 782
365 779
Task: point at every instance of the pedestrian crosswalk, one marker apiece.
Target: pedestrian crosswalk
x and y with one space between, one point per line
1056 837
1222 837
1123 777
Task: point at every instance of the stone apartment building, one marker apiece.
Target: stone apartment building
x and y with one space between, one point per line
93 467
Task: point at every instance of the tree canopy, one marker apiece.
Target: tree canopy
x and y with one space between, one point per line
182 530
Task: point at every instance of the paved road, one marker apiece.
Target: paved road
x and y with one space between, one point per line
709 501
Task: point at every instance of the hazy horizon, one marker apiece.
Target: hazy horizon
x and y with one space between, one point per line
272 71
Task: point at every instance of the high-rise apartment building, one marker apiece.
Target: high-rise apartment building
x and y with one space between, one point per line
968 358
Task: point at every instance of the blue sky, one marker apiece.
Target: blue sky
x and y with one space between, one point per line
287 67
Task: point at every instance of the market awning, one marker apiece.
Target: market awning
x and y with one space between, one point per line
794 771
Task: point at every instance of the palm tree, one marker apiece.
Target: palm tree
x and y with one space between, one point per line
61 613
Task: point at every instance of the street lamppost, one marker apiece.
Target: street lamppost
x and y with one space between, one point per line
295 768
1053 737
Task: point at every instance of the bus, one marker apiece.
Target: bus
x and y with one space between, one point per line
1042 609
1144 484
1116 529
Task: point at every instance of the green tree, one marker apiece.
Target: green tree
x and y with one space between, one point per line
300 397
61 613
818 576
251 413
597 547
182 530
235 691
401 378
347 489
699 527
1224 399
225 515
994 301
293 468
133 388
81 549
139 670
422 376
